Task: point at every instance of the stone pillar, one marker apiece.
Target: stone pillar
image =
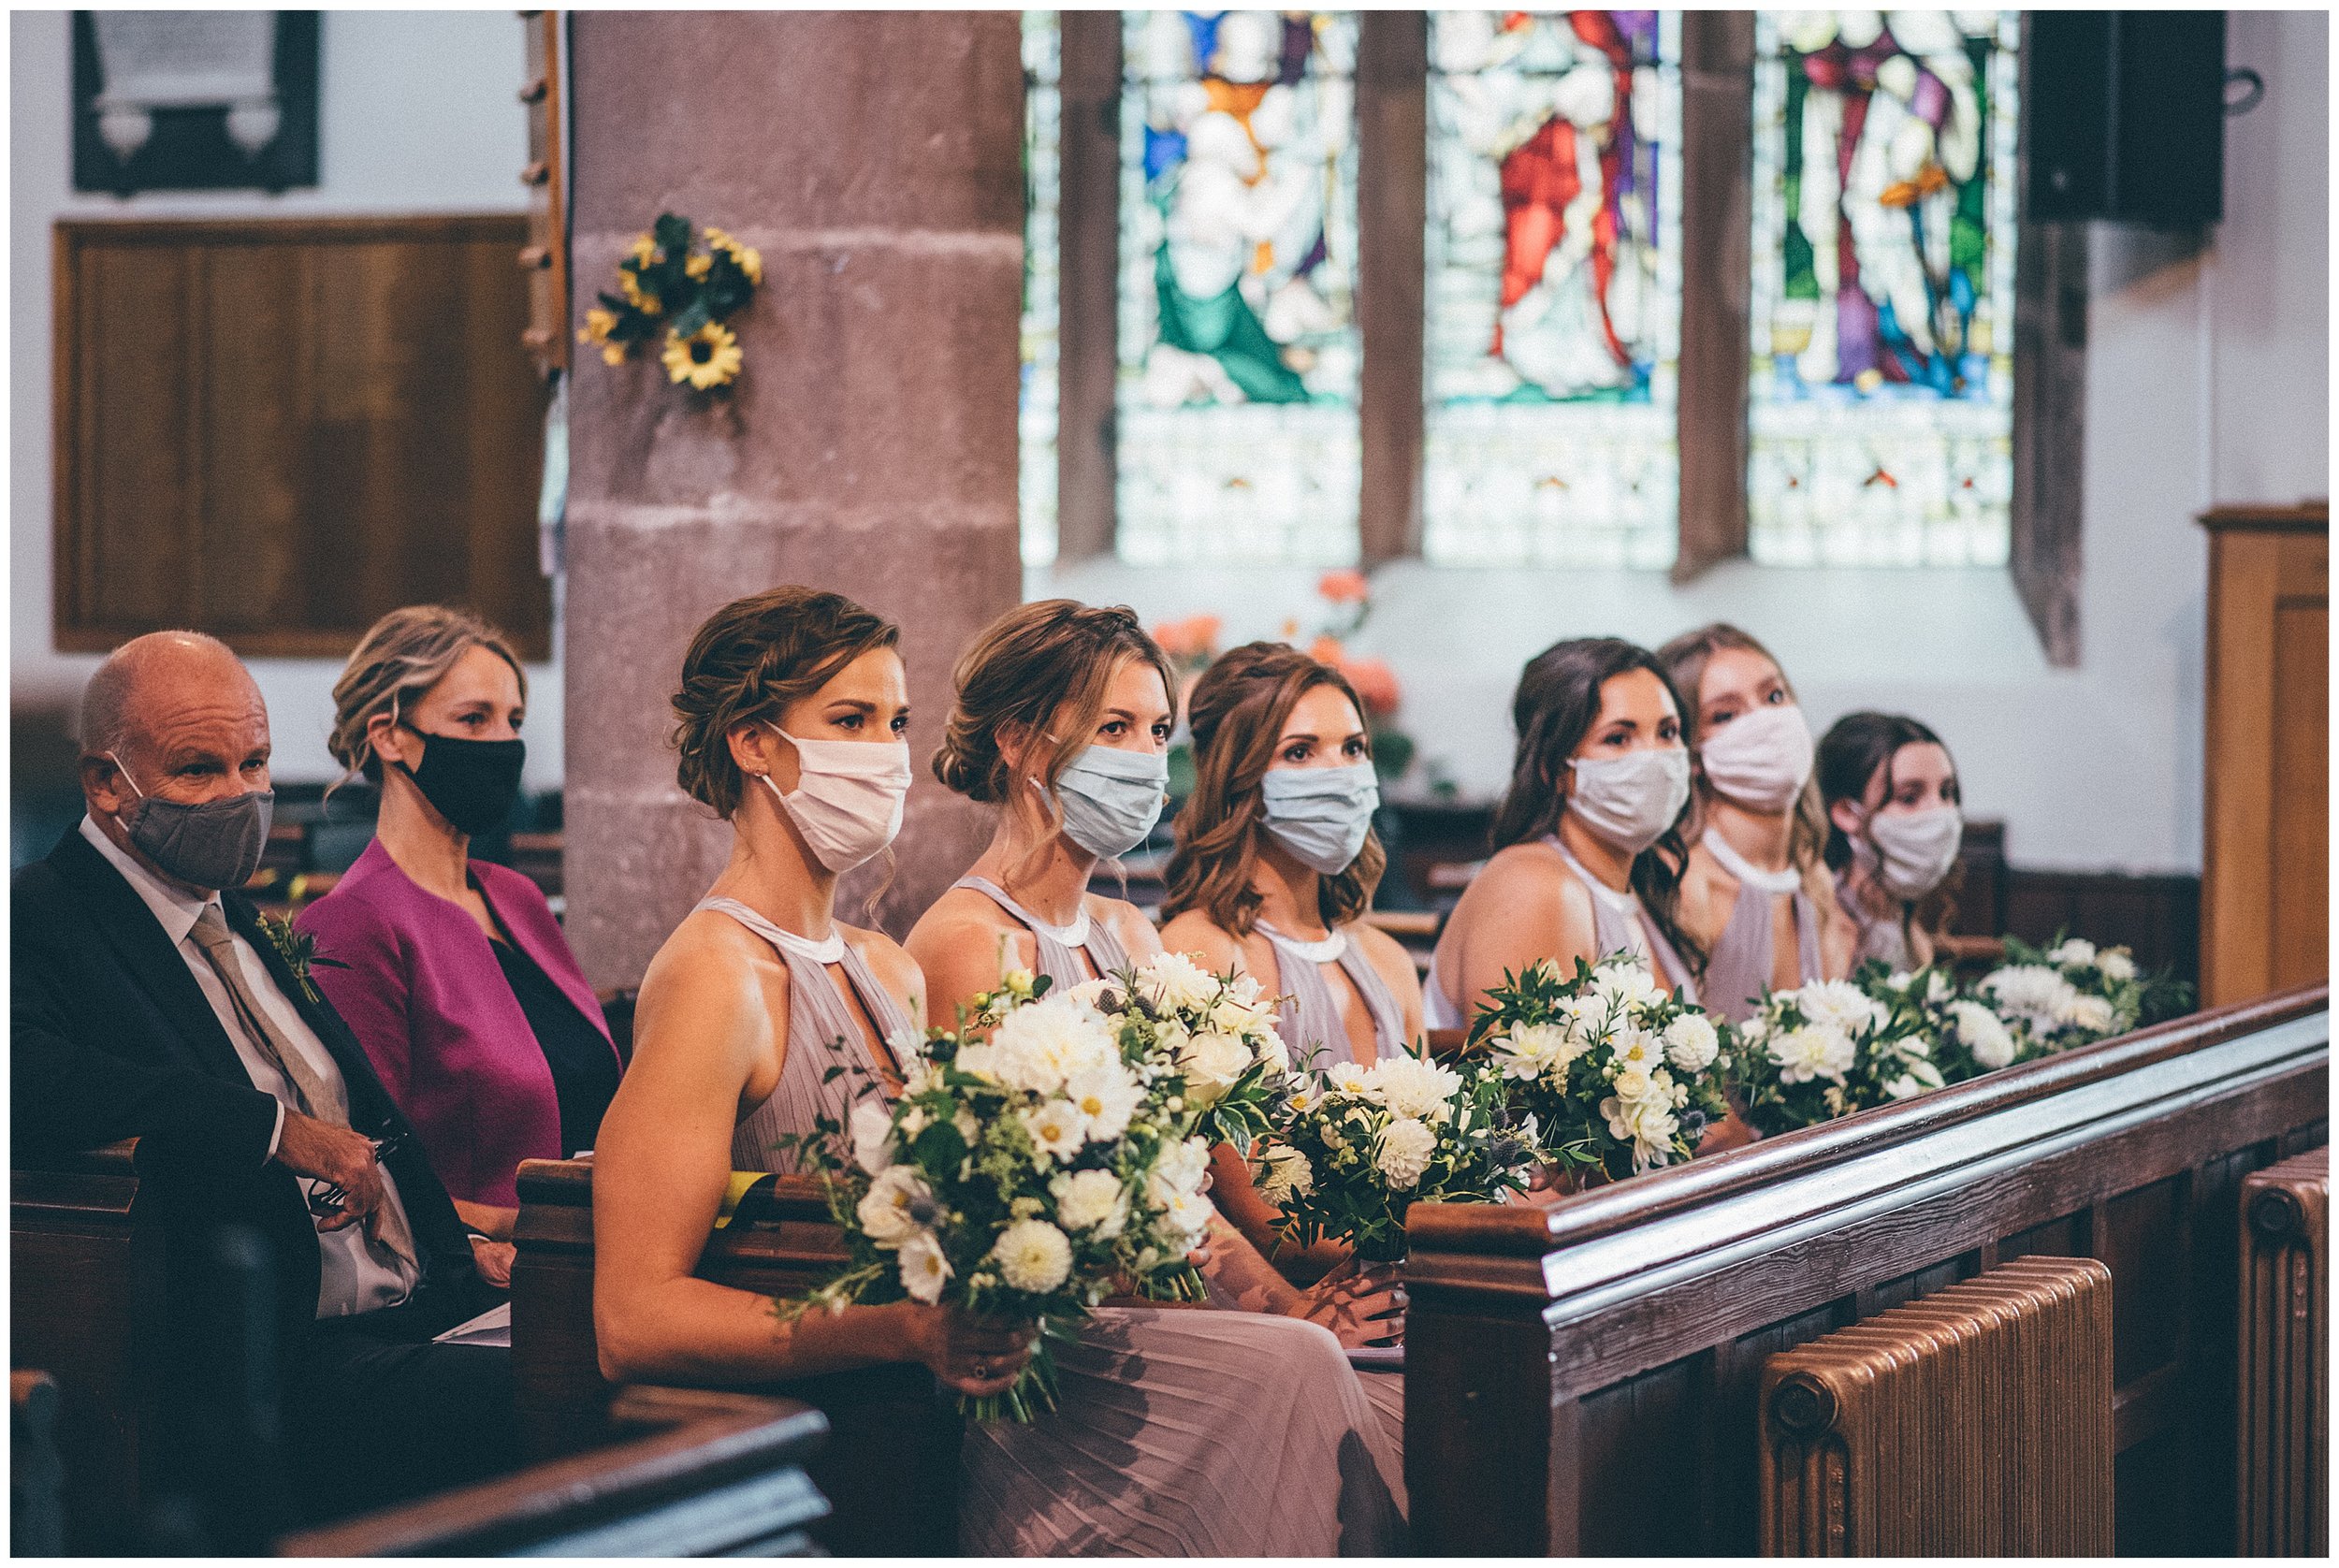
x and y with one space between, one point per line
875 159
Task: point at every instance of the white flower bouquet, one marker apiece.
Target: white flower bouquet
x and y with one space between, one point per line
1826 1050
1210 1038
1617 1071
1965 1037
1030 1167
2075 993
1357 1146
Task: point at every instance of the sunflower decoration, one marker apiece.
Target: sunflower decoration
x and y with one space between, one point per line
678 293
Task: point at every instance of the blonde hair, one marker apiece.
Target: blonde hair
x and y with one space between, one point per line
1685 659
395 663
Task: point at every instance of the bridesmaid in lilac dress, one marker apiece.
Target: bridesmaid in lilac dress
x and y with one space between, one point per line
1177 1433
1756 895
1062 721
1587 852
1895 823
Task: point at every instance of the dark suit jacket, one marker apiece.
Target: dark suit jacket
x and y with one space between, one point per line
110 1037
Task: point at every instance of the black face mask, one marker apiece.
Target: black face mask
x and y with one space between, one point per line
471 783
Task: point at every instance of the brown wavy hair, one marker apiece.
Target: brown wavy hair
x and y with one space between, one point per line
1855 748
1555 708
1032 665
1236 714
394 665
748 662
1685 659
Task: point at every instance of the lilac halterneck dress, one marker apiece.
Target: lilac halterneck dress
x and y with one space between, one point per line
1177 1431
1739 969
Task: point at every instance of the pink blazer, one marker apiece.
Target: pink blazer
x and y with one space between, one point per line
426 998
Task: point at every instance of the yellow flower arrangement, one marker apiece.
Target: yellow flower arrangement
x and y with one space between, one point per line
678 295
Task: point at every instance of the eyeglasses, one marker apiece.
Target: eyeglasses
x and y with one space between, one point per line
327 1199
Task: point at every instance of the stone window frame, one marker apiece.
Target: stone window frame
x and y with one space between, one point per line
1392 123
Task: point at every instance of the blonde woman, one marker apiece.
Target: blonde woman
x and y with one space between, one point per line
452 972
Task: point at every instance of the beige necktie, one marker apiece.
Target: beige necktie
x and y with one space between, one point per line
390 1233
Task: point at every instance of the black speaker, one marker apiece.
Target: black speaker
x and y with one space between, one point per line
2124 112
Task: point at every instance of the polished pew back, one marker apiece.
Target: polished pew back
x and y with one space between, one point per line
85 1306
716 1476
889 1468
1584 1379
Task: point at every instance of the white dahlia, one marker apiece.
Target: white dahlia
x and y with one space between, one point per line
1406 1145
1033 1256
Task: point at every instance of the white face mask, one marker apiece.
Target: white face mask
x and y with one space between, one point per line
1912 851
1629 801
1760 758
1321 815
848 799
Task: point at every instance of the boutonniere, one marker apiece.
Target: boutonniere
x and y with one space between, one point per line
299 950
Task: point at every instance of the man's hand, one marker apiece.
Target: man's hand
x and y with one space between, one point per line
345 1159
493 1259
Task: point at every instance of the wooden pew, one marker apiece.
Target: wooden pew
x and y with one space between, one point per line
719 1475
889 1468
1582 1379
85 1300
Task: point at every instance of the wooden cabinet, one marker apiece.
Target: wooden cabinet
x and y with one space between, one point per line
2265 890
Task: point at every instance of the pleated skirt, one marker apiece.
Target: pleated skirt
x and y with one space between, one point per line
1184 1432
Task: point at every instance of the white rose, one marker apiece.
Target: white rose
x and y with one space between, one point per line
1091 1201
1632 1084
2074 952
886 1211
1033 1256
2032 994
1236 1018
1626 980
872 1137
1272 1050
2094 1014
1840 1004
1406 1146
1057 1129
1214 1060
1692 1042
1938 988
924 1270
1414 1085
1105 1096
1984 1033
1184 1165
1286 1174
2116 964
1814 1051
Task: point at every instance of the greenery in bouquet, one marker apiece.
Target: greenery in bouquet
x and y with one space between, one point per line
1035 1162
2075 993
1619 1073
1826 1050
1967 1038
1357 1146
1219 1068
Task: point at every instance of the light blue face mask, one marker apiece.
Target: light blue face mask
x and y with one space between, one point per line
1321 815
1112 798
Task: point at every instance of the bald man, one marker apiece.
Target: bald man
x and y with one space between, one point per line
147 1001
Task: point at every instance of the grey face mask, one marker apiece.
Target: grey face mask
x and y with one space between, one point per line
211 844
1112 798
1321 815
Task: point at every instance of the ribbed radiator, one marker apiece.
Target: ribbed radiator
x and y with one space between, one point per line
1976 1422
2284 1492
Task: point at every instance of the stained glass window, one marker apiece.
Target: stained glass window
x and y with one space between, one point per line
1881 415
1553 302
1043 168
1235 406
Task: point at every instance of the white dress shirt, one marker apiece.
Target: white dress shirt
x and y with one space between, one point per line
351 1278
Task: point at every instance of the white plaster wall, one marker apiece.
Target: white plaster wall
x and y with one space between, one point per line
418 113
2207 381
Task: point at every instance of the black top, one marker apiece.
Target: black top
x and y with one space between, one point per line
584 1068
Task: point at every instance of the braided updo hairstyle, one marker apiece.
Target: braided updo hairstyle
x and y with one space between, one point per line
1051 658
1236 714
748 662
